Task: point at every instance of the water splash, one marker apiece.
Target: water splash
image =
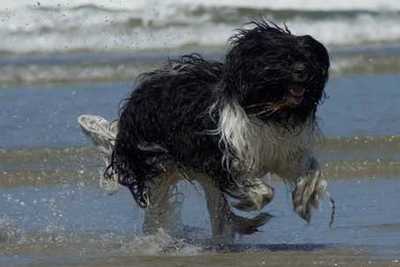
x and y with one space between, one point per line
161 243
9 231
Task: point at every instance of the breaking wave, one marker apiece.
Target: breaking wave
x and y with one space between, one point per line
140 25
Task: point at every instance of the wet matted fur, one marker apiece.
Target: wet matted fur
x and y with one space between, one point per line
234 121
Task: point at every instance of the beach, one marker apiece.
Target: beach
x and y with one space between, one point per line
53 211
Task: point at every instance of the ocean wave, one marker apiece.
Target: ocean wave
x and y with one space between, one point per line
80 25
276 4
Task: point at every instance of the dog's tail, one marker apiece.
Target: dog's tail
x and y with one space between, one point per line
128 162
102 133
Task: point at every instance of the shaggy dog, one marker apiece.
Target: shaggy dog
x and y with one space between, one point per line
226 125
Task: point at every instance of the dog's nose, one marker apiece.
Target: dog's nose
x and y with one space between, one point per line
299 67
299 72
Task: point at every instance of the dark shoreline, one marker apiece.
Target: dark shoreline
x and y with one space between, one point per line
105 66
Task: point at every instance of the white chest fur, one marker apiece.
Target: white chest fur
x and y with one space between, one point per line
253 147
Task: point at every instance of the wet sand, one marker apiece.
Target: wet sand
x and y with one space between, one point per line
300 259
268 256
76 224
344 158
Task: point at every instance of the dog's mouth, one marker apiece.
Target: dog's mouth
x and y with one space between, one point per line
296 95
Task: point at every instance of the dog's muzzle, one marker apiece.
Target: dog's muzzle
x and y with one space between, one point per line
296 95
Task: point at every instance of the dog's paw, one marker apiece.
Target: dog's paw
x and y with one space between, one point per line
307 194
253 194
248 226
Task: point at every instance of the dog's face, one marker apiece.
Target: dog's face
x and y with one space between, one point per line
274 75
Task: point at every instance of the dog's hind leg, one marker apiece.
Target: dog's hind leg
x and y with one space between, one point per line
164 211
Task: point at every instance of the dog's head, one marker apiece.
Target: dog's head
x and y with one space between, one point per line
274 75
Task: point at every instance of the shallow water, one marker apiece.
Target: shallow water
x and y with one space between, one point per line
54 213
42 116
47 224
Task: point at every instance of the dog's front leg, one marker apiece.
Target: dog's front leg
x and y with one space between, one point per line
224 223
309 189
219 211
253 194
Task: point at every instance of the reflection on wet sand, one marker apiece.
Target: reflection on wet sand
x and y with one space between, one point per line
355 158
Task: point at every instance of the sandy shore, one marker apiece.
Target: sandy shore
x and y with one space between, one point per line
287 258
344 158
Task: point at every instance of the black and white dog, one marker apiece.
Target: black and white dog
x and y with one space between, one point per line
226 125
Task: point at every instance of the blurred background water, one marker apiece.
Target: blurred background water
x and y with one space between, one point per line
62 58
64 40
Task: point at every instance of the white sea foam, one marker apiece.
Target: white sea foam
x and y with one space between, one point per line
272 4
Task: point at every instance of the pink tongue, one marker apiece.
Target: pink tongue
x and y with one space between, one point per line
297 91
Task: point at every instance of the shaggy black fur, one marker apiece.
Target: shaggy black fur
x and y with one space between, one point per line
167 119
266 61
